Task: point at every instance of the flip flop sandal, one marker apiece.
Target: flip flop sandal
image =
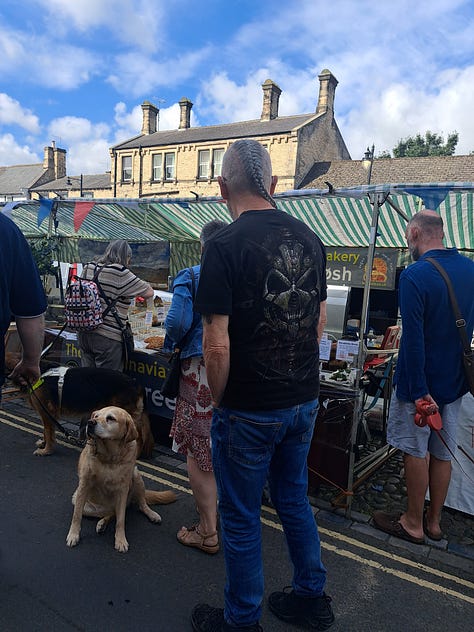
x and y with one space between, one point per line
191 536
390 523
428 533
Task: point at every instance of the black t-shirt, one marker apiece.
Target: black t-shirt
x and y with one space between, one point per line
267 271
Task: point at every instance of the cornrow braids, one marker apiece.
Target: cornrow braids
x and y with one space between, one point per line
252 157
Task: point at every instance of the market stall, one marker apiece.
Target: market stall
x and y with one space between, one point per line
367 222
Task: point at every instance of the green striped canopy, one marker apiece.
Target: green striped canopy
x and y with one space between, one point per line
341 217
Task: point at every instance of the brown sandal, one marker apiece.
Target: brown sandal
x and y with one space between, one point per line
191 536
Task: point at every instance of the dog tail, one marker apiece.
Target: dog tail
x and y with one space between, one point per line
159 498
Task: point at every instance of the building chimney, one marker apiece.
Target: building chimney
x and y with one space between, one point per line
271 96
59 162
185 113
150 116
48 161
327 88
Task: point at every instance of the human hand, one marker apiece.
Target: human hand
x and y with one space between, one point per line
427 399
25 373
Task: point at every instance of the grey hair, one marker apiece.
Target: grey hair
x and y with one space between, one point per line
117 251
210 229
246 166
430 224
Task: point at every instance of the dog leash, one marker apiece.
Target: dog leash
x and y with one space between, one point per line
69 436
435 422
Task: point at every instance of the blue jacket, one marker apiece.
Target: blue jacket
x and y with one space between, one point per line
430 358
181 319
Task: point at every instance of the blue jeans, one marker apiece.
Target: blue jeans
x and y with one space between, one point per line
247 448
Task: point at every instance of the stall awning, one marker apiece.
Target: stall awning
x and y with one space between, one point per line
341 217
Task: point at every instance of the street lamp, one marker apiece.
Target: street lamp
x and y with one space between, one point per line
368 161
69 182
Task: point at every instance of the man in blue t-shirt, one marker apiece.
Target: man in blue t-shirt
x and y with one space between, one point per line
22 298
262 293
429 369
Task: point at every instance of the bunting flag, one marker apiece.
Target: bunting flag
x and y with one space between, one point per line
8 208
432 198
81 211
44 209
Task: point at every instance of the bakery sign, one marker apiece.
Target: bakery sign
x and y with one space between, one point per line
348 266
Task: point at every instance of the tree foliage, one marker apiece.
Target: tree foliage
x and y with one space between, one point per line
431 144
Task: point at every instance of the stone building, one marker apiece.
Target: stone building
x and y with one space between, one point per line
186 161
18 181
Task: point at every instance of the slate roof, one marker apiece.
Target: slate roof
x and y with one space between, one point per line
17 177
243 129
94 181
346 173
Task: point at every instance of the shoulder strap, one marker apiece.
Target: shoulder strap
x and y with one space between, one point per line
108 301
193 284
460 322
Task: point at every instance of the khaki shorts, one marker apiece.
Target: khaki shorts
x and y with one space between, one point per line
404 434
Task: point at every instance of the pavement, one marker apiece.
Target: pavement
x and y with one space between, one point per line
44 585
383 490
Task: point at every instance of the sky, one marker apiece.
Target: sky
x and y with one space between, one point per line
77 71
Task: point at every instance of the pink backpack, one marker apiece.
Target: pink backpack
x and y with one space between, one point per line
83 309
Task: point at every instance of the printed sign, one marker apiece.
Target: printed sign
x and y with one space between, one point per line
348 266
149 370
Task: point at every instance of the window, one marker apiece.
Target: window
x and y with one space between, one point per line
169 166
157 167
217 156
203 163
126 168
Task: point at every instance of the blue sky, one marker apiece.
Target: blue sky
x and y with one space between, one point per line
76 71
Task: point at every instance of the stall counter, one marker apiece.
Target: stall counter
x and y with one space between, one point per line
147 366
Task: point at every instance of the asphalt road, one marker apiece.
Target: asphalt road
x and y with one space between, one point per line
44 585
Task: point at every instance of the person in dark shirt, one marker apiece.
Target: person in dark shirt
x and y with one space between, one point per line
262 294
22 298
429 369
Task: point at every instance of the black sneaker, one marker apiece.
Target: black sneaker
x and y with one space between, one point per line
314 613
205 618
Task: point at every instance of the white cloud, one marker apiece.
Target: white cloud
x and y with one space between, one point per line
87 144
130 77
11 112
136 23
402 110
42 61
12 153
89 156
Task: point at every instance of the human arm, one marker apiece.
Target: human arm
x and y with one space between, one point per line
323 319
412 311
31 332
180 315
216 347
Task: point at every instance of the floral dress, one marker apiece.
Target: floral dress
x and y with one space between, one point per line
191 427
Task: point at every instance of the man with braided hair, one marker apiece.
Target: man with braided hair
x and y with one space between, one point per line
262 293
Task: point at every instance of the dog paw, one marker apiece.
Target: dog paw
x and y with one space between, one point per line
40 443
72 539
154 517
43 452
121 545
101 526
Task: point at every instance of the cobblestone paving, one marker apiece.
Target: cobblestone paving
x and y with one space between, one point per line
385 489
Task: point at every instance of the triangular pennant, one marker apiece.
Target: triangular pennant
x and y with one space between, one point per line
432 197
44 209
8 208
81 211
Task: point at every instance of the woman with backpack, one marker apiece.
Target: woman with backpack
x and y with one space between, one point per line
103 346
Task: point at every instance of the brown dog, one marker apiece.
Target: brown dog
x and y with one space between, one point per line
109 479
82 391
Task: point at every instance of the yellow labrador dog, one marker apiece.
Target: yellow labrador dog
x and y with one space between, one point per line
108 477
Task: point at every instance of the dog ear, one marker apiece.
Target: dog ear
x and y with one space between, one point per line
132 432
